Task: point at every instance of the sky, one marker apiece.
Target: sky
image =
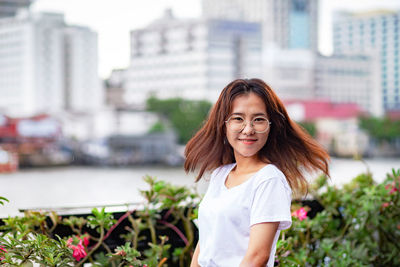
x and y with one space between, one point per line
113 20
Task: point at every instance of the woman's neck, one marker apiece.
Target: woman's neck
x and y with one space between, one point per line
248 164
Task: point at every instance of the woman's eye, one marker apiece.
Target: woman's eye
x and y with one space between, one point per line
237 119
260 119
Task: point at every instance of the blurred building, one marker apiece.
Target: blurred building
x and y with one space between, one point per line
290 39
115 88
376 33
289 24
9 8
46 66
336 125
106 122
31 64
350 79
290 72
191 58
83 90
151 148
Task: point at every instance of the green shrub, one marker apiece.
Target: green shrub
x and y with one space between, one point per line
30 239
359 226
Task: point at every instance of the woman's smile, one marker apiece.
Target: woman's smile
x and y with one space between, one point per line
247 141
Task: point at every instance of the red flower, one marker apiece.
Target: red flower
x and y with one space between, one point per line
300 214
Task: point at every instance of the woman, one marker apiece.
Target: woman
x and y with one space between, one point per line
257 156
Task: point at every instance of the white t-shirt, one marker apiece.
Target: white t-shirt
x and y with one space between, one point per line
225 215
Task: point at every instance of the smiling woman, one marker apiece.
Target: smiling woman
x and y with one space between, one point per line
257 156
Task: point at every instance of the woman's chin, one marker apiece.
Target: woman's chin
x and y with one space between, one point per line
247 154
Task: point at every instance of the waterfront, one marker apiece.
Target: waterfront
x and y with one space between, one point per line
94 186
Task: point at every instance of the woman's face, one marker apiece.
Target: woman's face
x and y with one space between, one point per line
247 143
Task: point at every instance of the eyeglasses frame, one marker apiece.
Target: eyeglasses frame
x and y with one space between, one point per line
251 124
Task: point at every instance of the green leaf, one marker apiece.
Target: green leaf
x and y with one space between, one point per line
2 200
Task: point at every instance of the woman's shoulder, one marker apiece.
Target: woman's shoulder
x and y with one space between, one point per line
218 175
269 172
221 170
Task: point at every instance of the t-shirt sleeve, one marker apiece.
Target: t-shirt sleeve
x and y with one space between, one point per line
271 203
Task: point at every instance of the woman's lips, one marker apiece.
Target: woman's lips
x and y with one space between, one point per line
248 141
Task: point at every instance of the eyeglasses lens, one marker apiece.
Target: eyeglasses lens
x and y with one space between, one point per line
237 124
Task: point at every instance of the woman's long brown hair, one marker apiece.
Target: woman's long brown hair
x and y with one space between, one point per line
289 147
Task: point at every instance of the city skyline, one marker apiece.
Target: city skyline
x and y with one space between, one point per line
126 16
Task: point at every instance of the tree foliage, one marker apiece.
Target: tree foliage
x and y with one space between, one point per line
381 128
157 127
186 116
309 127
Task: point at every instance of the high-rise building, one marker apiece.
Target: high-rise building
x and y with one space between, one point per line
31 64
288 24
290 72
350 79
83 91
377 34
290 39
191 58
46 66
9 8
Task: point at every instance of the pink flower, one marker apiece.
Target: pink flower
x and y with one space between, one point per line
2 251
120 253
392 187
78 250
287 252
386 204
69 241
86 240
300 214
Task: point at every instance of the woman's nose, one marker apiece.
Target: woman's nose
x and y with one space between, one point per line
248 128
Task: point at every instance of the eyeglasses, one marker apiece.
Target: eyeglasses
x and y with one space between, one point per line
237 123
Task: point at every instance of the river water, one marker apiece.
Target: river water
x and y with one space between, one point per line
65 188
